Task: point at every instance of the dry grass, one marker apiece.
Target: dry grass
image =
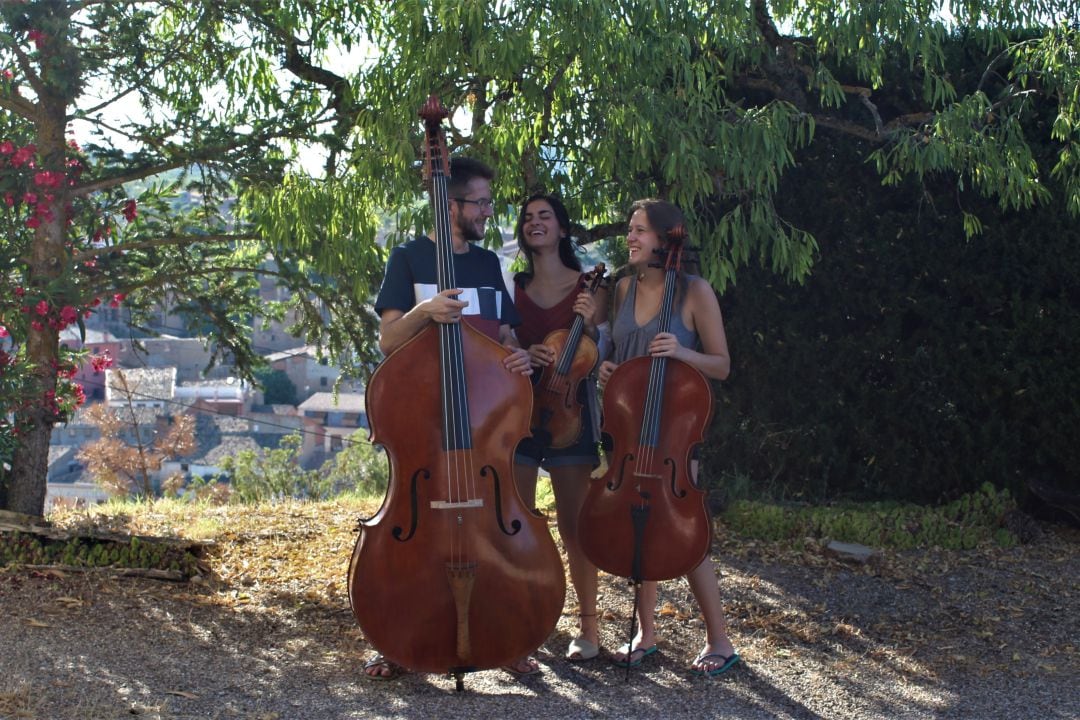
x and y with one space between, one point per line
929 616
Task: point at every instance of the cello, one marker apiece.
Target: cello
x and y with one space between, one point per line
555 399
453 574
645 519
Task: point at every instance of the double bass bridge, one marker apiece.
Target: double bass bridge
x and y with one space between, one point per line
457 504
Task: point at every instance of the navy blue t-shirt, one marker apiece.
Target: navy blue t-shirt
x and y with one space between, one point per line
410 278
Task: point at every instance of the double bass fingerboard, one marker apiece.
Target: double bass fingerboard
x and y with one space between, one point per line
457 434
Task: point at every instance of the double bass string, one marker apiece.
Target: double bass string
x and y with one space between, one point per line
455 407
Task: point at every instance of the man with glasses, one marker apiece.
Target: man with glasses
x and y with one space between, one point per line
409 298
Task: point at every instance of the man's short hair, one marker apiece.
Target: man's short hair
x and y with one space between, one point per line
463 170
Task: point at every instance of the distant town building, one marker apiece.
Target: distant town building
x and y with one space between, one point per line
329 419
140 387
309 372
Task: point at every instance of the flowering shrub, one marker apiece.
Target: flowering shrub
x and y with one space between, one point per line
34 310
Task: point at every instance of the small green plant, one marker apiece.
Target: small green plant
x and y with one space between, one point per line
972 520
26 549
361 469
545 494
274 474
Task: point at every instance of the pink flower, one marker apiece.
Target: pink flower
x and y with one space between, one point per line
42 308
38 37
48 179
24 155
7 74
30 198
7 147
37 326
19 292
100 362
4 332
117 299
9 199
68 314
129 211
33 222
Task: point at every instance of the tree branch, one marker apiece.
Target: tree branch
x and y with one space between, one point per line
20 106
91 253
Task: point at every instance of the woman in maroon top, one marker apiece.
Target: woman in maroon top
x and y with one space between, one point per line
547 295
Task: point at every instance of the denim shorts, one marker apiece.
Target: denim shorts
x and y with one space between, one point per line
532 453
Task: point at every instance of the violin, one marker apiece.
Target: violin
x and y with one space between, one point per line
556 408
645 519
453 574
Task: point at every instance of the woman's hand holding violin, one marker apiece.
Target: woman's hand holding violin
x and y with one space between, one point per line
541 355
585 306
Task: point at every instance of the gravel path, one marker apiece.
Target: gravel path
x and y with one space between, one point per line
981 634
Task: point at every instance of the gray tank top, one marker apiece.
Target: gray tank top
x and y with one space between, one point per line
631 340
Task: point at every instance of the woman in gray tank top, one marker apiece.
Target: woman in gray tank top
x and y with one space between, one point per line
697 338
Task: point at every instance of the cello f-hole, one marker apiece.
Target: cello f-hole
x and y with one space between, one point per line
617 479
674 478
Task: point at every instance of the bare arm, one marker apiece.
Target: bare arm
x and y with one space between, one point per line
396 327
713 360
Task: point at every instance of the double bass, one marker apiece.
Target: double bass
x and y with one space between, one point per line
453 574
556 408
645 519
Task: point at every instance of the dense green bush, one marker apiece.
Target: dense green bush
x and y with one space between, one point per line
974 519
915 363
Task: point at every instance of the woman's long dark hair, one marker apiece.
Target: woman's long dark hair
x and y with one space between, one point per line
567 255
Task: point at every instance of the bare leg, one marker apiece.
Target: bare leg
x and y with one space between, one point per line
571 484
525 480
707 592
646 634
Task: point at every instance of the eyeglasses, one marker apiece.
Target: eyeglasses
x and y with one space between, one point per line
482 203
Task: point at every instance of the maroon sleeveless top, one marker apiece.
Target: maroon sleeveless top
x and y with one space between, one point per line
537 322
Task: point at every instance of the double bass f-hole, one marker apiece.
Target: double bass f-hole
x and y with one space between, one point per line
398 532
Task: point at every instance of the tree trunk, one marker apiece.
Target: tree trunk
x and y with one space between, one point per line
25 488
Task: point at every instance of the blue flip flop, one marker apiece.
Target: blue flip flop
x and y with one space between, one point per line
729 662
633 658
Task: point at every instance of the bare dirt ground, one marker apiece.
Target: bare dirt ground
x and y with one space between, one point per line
267 635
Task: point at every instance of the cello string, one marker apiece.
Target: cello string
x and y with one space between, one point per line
650 429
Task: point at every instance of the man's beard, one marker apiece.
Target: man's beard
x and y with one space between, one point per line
468 231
